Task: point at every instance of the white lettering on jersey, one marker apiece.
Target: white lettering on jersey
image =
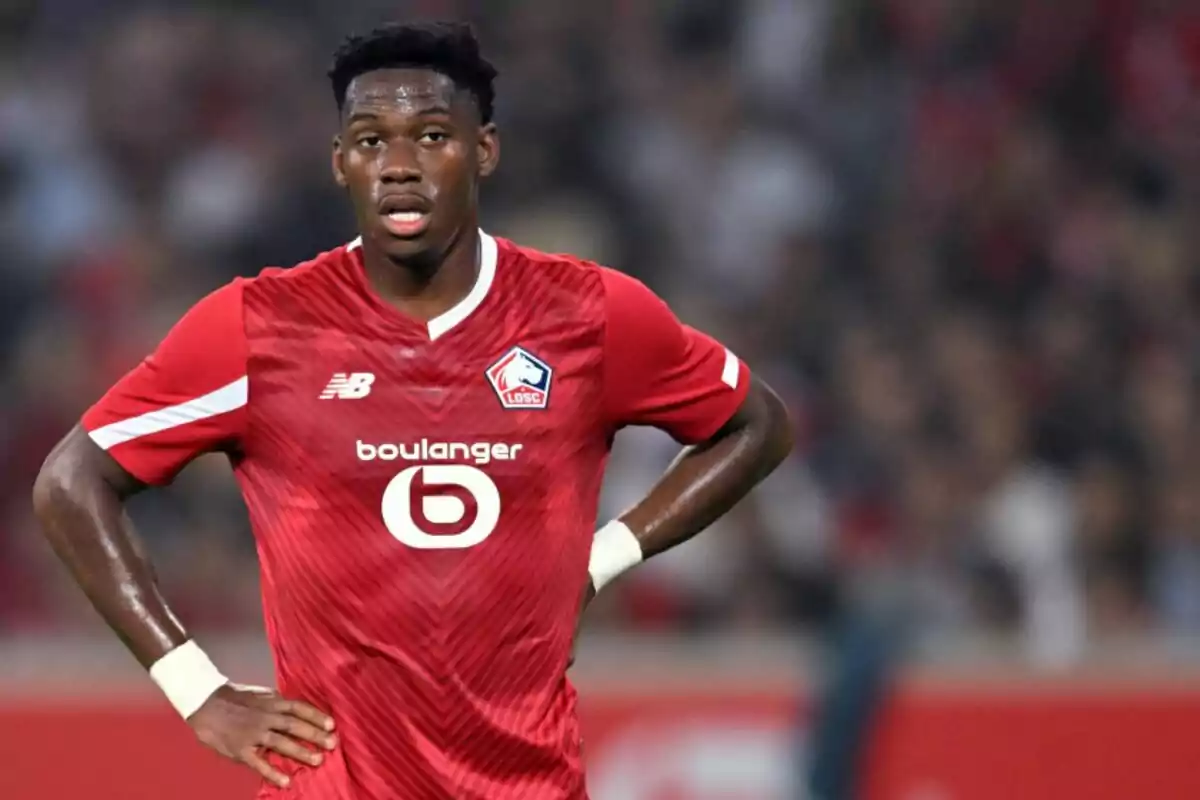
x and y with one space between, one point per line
426 493
431 486
348 386
425 450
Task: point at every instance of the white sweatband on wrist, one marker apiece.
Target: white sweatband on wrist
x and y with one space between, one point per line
614 550
187 677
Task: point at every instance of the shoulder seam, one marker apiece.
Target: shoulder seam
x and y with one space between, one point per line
242 284
606 325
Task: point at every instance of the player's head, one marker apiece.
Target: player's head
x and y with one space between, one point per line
416 135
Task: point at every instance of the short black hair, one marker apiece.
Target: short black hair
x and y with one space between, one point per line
446 47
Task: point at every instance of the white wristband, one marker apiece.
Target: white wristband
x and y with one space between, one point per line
614 550
187 677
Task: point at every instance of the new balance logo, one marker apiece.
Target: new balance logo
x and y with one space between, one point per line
348 386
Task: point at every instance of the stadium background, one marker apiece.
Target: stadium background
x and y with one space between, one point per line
959 235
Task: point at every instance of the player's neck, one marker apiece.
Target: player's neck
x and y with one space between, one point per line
425 290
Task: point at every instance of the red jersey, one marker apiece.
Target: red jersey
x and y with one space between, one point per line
423 495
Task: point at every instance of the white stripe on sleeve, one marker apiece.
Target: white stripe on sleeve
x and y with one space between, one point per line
228 398
729 374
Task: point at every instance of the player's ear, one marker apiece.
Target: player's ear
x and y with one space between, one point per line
339 171
488 151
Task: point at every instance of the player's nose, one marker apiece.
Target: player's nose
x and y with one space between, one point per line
400 165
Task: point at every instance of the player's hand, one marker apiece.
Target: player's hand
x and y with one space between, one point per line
241 721
588 594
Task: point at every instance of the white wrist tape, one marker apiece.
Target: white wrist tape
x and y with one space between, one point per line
614 550
187 677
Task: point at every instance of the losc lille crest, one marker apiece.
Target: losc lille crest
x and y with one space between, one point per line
521 379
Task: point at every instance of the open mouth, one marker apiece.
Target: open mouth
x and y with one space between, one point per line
406 223
405 216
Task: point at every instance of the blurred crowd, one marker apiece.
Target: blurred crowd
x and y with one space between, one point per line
959 235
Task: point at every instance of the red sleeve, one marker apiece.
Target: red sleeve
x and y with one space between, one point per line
186 398
660 372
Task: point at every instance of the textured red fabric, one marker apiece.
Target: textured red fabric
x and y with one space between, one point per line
424 548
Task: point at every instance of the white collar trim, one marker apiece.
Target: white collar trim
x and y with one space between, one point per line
443 323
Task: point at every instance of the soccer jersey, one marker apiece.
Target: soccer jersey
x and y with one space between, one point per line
423 495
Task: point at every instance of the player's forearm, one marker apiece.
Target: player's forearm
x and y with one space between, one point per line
709 479
79 500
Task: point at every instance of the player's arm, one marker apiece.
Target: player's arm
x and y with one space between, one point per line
735 429
189 397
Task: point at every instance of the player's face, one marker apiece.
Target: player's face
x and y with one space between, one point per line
411 152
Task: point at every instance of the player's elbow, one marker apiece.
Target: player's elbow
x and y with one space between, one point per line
777 436
69 477
50 494
54 483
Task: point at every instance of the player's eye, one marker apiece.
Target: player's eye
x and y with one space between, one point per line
434 137
369 140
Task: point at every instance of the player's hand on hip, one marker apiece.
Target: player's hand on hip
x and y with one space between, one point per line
239 722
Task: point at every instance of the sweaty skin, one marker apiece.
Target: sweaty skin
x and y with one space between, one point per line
408 133
706 480
407 137
79 499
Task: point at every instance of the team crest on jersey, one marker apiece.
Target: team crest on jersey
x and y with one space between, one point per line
521 379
